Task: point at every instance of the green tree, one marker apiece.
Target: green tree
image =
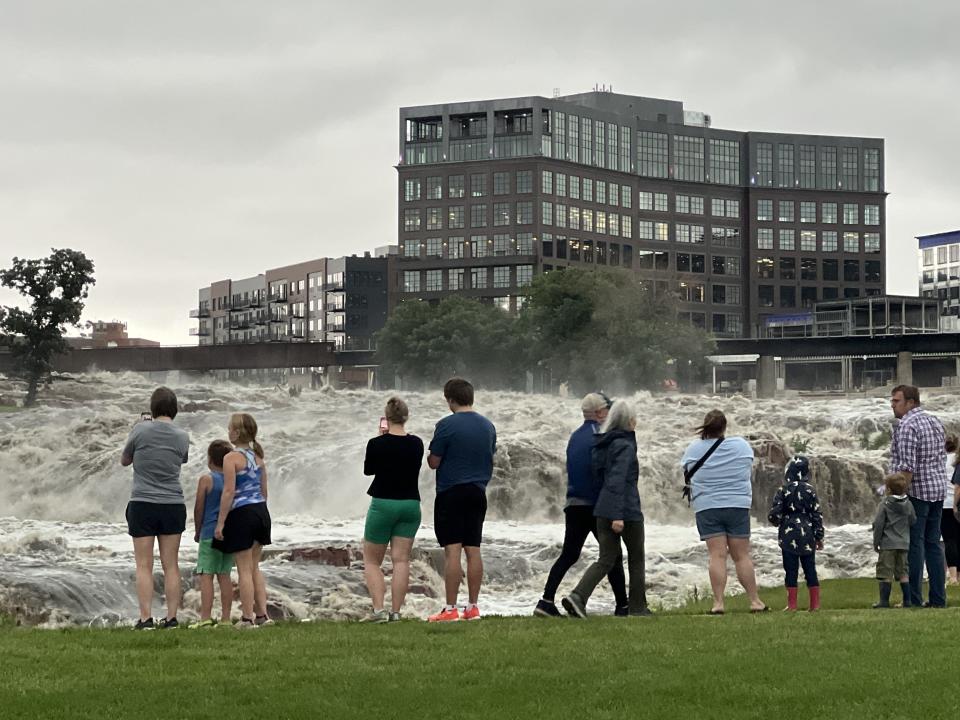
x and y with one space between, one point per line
427 344
56 286
604 328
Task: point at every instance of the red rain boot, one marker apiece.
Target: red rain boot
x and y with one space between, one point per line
814 598
791 600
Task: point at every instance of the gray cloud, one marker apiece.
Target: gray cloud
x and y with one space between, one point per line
180 142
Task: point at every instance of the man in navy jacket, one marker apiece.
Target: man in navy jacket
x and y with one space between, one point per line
578 512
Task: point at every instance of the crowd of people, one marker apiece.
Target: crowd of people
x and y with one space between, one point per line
921 503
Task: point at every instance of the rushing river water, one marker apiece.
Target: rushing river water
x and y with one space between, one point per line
65 556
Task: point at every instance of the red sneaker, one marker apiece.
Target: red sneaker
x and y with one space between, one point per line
471 612
451 615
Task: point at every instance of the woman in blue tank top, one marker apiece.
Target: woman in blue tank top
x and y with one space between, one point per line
243 527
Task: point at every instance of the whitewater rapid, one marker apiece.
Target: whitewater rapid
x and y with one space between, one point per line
65 557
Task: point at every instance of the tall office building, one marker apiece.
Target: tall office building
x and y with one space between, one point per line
742 226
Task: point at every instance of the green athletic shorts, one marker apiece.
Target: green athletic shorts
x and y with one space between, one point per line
892 565
211 561
391 518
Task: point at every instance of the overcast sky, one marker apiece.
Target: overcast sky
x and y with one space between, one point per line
185 141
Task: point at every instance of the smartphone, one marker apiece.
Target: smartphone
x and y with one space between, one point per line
384 425
145 416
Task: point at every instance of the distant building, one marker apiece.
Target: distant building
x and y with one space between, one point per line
939 261
740 225
108 334
341 300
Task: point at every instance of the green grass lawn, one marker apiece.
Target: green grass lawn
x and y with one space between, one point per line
844 662
8 408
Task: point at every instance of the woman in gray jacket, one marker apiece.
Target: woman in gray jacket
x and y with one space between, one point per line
615 472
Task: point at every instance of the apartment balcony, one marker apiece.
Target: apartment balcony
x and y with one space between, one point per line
199 332
255 303
200 313
274 320
276 299
240 324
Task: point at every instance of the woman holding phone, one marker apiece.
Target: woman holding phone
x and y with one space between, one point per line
394 458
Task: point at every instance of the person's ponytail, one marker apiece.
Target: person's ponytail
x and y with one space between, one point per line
257 448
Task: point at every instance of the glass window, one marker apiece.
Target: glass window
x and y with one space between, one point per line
626 226
850 174
501 183
871 169
601 252
587 190
941 254
725 161
828 168
433 247
733 208
561 247
435 188
434 281
574 187
524 213
478 278
688 158
808 268
479 246
560 215
645 200
660 202
765 238
661 231
586 217
828 212
808 166
764 210
626 196
455 279
828 241
478 185
788 268
455 186
613 224
851 242
434 218
455 217
954 253
546 213
645 229
786 210
851 271
524 181
455 247
627 256
788 296
478 216
764 172
411 220
411 190
787 239
851 214
524 275
525 243
785 177
652 154
872 271
601 192
501 276
546 245
928 257
682 203
411 248
808 212
765 295
573 217
502 245
546 182
716 207
830 293
586 247
830 270
683 262
561 184
871 214
574 245
501 213
411 281
808 296
613 193
808 241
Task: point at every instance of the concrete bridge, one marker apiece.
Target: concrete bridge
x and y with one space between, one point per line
244 356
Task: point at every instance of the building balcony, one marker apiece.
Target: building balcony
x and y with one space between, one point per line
278 320
200 313
240 325
199 332
274 299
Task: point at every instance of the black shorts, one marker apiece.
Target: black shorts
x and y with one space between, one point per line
245 526
146 519
458 515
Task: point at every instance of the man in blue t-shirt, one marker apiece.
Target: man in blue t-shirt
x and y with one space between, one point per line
462 454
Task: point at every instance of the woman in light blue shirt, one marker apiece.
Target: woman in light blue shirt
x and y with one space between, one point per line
721 495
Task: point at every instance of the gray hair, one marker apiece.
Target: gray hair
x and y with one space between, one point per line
621 416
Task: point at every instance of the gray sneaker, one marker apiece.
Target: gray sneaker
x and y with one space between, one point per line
376 617
394 617
574 606
262 620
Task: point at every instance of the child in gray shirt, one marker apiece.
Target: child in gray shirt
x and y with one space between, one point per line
891 538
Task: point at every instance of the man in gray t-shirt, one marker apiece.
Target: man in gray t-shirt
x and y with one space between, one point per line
157 449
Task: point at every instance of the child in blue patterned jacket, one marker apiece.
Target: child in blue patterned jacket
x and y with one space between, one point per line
796 510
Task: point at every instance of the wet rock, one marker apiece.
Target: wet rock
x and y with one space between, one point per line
336 556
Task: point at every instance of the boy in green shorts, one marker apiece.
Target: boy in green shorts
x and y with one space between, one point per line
211 561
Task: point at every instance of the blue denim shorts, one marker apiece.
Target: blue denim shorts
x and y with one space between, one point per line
732 522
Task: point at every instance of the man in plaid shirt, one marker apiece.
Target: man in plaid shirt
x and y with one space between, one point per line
918 449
